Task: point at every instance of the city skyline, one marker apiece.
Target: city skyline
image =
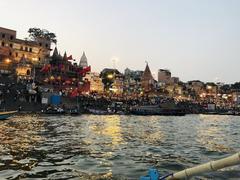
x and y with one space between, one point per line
195 40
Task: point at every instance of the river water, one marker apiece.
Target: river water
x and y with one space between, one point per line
114 147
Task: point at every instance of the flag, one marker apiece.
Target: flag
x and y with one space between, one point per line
69 57
46 68
85 70
74 93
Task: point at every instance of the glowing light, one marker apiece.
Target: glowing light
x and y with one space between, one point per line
110 76
113 89
209 87
52 78
8 61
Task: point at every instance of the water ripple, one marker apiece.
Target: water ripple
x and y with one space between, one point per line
114 147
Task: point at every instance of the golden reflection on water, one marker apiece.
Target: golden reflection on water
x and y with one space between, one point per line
211 135
19 134
110 127
152 132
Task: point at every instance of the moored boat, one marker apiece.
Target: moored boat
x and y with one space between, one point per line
157 110
6 114
100 112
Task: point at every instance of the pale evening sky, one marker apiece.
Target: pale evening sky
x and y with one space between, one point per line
195 39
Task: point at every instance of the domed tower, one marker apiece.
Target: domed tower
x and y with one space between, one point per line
83 61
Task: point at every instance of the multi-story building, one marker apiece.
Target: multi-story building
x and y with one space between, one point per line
117 85
13 49
164 76
197 86
174 80
95 81
132 81
211 89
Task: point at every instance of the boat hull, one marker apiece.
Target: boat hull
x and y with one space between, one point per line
153 110
6 115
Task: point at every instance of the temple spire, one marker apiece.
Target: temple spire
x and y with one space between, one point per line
83 61
65 56
55 52
147 78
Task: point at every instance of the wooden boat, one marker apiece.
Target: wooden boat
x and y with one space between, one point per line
6 114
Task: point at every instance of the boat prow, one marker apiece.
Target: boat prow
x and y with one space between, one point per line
6 114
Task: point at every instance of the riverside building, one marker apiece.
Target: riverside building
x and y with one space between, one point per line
13 48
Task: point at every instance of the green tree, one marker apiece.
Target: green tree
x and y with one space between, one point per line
37 33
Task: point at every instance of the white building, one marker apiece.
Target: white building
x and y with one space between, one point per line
96 84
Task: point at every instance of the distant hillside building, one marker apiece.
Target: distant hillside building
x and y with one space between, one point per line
147 81
132 81
174 80
164 76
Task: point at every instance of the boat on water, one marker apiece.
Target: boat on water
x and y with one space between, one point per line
53 111
157 110
99 112
6 114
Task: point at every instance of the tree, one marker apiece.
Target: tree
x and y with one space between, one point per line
37 33
225 88
236 86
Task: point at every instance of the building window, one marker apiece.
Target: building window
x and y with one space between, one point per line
28 72
11 45
3 35
21 48
30 49
26 48
40 44
10 53
16 54
3 44
46 45
11 37
39 59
